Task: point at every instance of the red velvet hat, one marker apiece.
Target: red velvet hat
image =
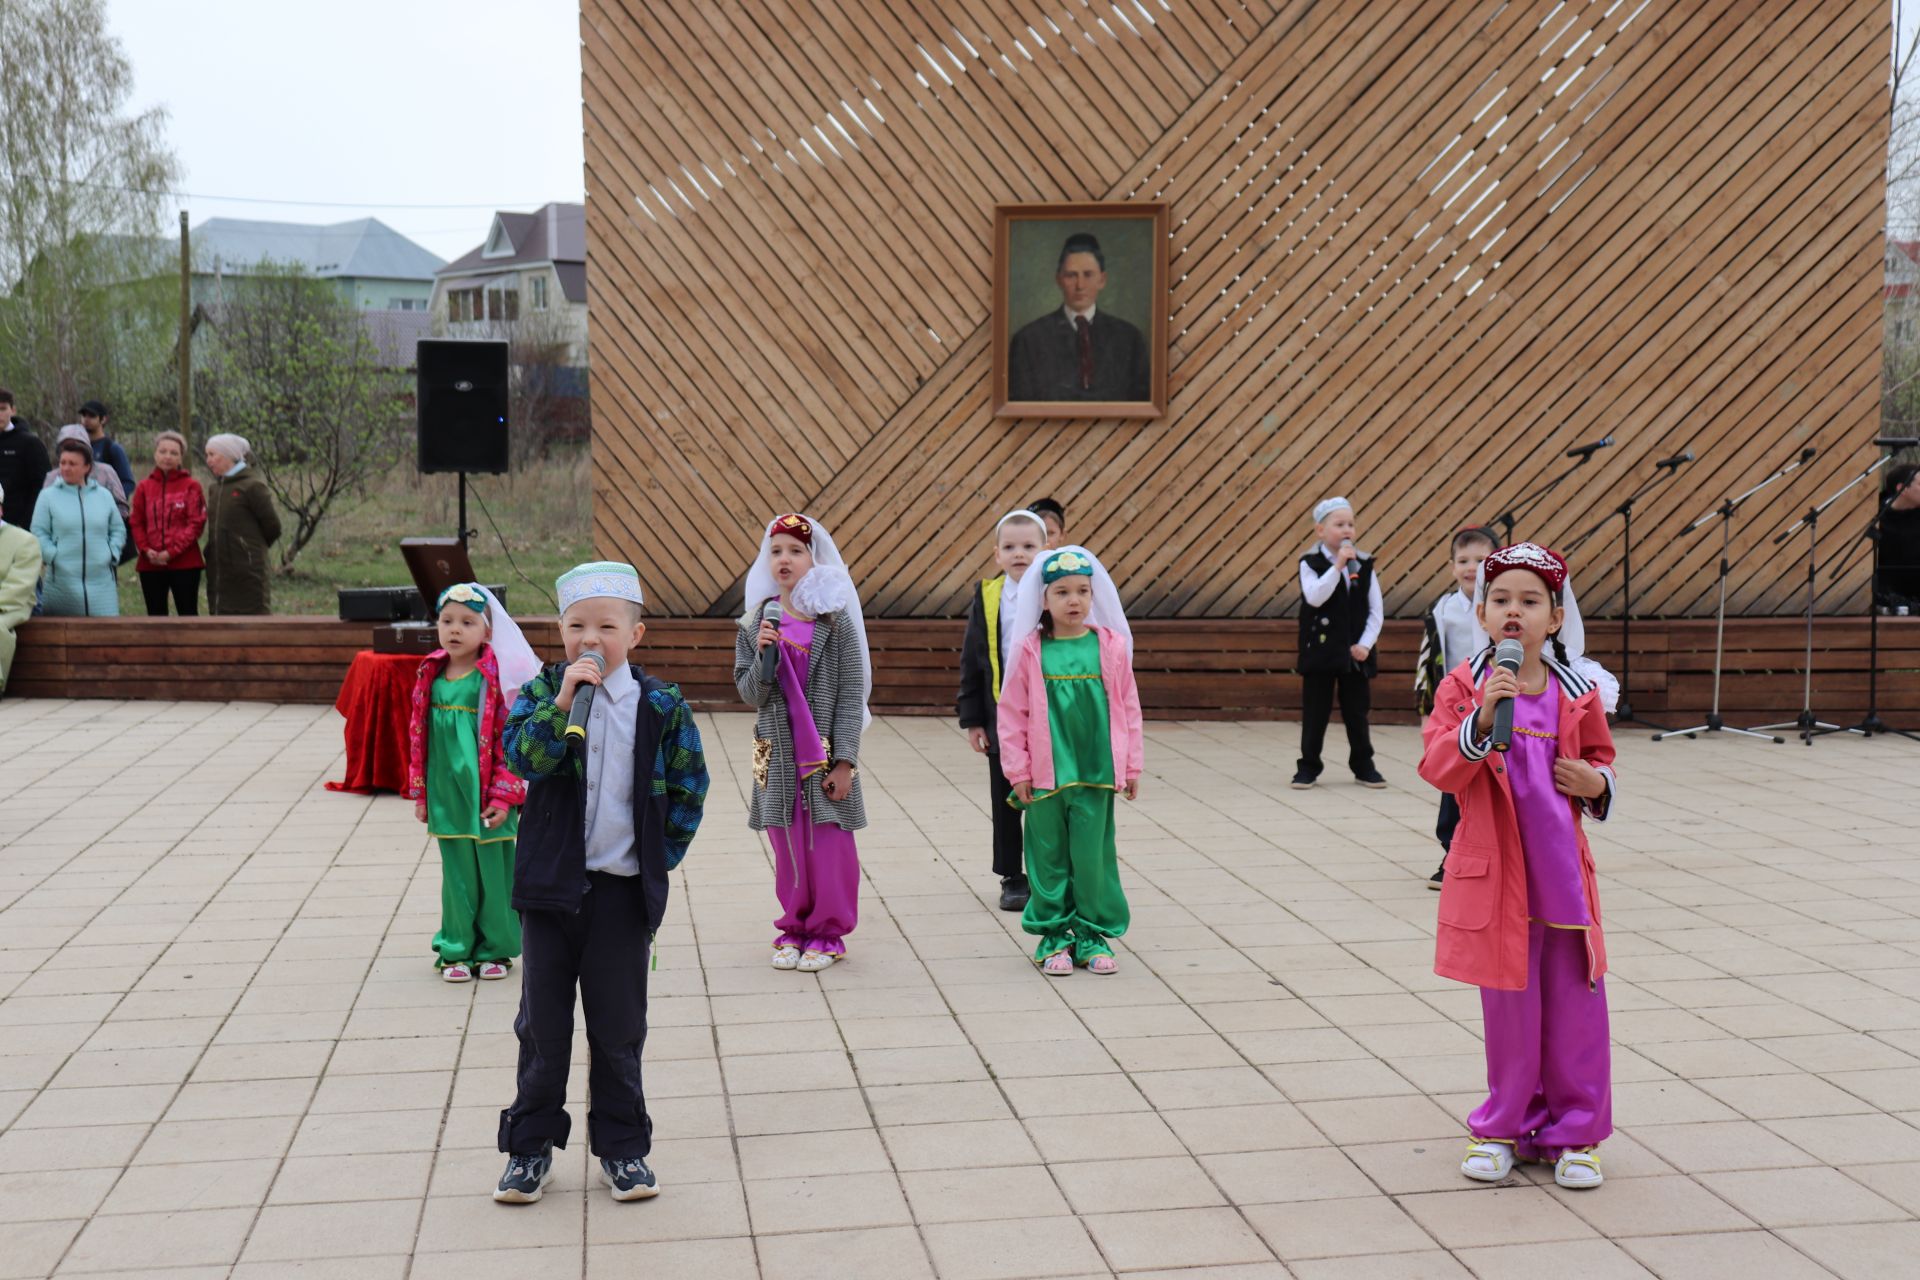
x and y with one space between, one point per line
1544 562
794 526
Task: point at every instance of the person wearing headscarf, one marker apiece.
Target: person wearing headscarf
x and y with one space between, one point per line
458 782
169 511
1519 911
19 574
984 652
811 712
616 785
1071 738
241 525
81 534
1340 620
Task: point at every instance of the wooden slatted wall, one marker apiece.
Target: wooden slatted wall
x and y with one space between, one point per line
1420 248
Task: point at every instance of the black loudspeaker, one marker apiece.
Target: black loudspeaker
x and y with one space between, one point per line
462 395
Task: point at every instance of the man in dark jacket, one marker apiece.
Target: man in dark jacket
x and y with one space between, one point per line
1900 540
1079 352
23 462
93 416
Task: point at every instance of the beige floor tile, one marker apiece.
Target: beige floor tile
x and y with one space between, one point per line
150 1241
887 1251
324 1179
1739 1255
1067 1138
72 1108
50 1194
962 1195
763 1113
1850 1140
1173 1053
177 1188
967 1144
1101 1094
1495 1216
504 1264
35 1248
189 1141
366 1133
695 1211
1342 1078
1716 1147
827 1201
1175 1237
1392 1119
1425 1265
1899 1183
1666 1205
1869 1251
938 1103
1588 1259
1206 1087
790 1155
90 1147
1788 1096
1126 1186
707 1259
1013 1249
1267 1126
1801 1197
451 1223
1270 1177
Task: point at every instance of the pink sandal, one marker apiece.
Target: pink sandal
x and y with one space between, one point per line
1103 964
1058 965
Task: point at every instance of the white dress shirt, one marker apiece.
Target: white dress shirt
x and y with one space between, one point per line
1073 315
1459 629
611 727
1319 589
1008 595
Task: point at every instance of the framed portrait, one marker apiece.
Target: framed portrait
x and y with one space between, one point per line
1080 310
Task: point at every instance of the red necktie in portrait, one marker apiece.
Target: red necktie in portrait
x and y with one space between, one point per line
1085 331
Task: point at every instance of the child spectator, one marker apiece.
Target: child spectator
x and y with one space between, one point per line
1071 737
984 652
1452 636
1520 909
806 746
459 785
608 815
1340 618
1054 515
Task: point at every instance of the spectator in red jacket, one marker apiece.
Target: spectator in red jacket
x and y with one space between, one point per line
169 512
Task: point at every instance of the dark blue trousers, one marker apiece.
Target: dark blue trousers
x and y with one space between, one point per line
603 950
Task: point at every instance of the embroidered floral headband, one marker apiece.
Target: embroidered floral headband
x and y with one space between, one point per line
1064 565
466 593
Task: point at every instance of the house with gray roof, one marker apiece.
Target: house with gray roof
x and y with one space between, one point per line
527 282
375 267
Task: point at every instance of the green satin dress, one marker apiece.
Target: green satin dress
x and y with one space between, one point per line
477 919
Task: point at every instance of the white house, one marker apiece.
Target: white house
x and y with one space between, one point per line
529 273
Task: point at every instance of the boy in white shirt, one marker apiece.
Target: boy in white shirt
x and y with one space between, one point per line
1452 636
1340 619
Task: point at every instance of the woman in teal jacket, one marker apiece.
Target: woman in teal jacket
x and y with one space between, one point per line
81 534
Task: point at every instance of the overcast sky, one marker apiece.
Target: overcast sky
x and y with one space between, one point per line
366 103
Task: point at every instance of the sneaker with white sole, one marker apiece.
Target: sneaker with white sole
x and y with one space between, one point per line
456 973
786 957
1578 1170
815 961
629 1177
492 971
527 1176
1488 1162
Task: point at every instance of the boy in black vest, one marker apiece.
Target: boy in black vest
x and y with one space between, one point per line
1340 616
1017 541
608 815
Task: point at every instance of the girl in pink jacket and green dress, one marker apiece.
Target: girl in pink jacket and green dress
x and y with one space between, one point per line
1070 739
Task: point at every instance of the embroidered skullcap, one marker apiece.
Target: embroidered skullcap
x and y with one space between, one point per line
1064 564
1327 506
466 593
233 446
597 579
795 526
1543 562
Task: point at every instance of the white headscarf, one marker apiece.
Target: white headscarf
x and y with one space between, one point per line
1572 633
518 662
1107 610
826 588
234 447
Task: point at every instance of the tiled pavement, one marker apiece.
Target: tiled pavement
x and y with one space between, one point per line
223 1050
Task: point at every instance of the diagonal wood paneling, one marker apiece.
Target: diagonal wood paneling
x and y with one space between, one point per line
1420 249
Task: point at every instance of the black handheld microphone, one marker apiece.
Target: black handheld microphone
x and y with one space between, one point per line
1588 450
770 656
1510 654
1677 461
583 702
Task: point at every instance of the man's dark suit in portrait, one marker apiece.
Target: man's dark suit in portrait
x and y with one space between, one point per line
1079 352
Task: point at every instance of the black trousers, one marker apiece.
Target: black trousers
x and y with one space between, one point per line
183 584
1449 819
1009 855
603 949
1356 699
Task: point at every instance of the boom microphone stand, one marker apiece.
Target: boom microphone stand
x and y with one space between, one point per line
1581 456
1663 470
1810 725
1873 724
1725 512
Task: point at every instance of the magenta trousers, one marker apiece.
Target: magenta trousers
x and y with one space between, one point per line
816 876
1549 1067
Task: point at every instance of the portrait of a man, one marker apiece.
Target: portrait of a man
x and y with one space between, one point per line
1080 310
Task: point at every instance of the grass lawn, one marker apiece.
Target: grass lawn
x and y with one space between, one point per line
544 512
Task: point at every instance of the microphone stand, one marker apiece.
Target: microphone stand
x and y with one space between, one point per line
1872 723
1810 725
1725 512
1510 516
1624 713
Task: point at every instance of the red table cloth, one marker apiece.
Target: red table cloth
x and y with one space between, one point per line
374 699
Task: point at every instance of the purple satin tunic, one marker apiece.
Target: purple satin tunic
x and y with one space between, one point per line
1555 894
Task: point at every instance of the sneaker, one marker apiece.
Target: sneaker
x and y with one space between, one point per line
456 973
787 957
526 1177
1371 778
1303 781
492 971
1014 893
1438 878
815 961
629 1177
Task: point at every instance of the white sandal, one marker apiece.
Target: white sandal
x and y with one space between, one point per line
456 972
787 957
1488 1161
815 961
1578 1170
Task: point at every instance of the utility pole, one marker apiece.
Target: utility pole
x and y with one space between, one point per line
186 334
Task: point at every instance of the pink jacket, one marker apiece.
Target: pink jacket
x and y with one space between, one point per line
1482 935
498 784
1026 737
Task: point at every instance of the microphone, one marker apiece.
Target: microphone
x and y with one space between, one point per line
1676 462
1510 654
583 702
770 656
1588 450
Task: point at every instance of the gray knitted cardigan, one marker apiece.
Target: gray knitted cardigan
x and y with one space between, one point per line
833 693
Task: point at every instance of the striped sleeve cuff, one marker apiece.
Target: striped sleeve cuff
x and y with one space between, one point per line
1601 808
1471 747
